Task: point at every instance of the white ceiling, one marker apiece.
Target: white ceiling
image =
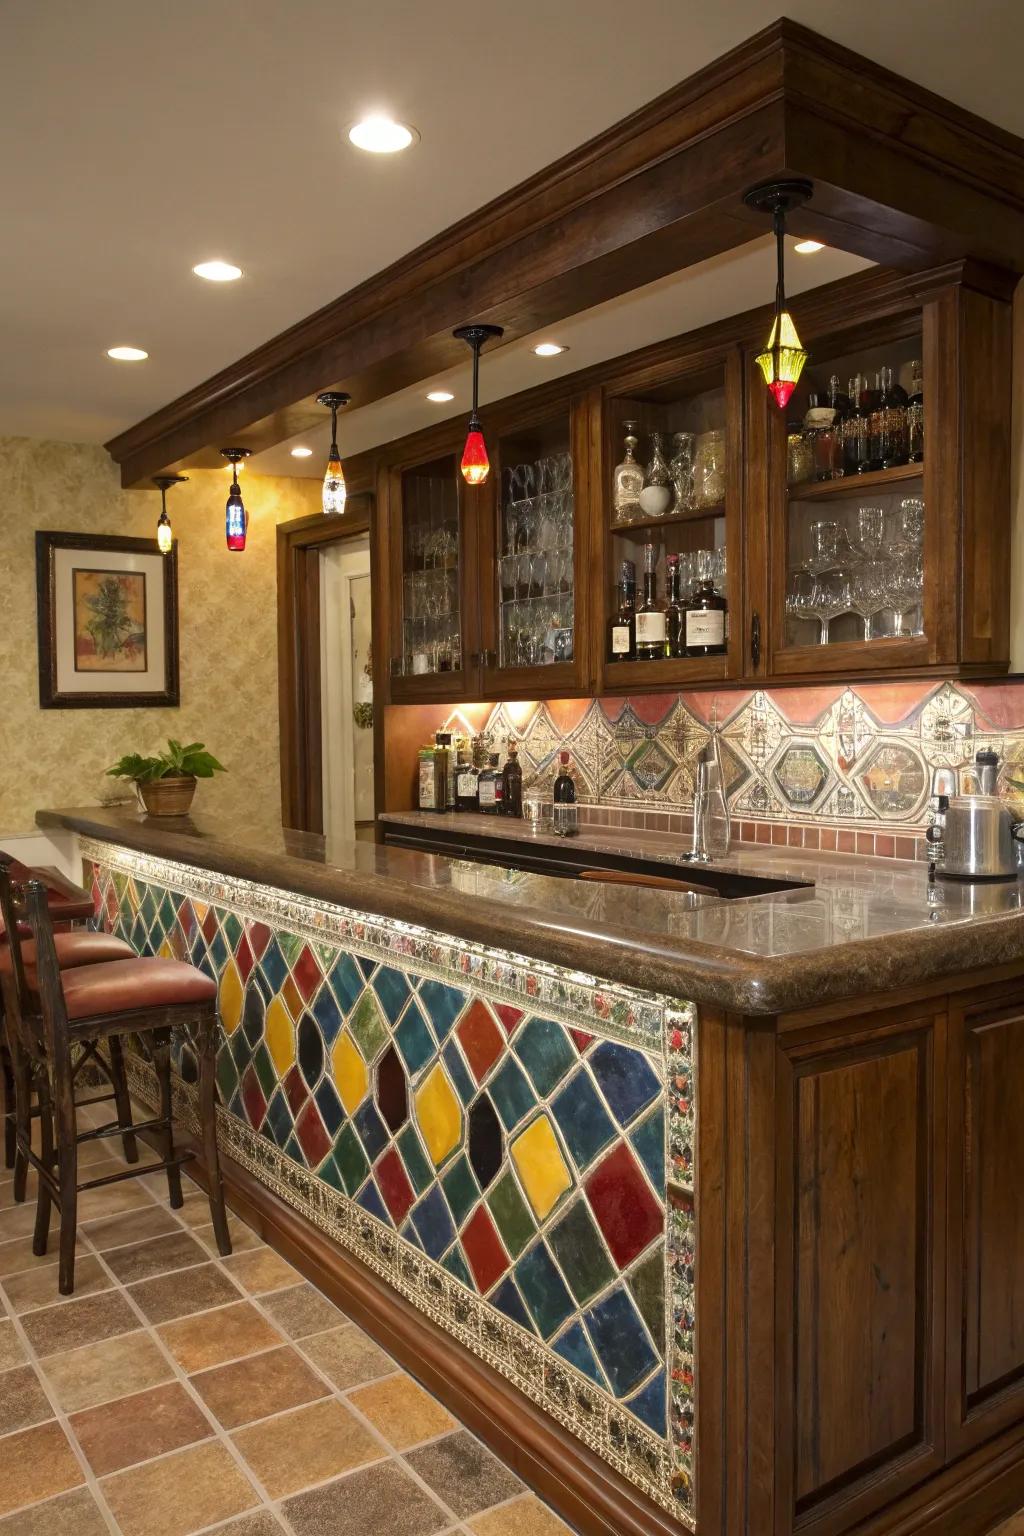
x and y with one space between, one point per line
141 137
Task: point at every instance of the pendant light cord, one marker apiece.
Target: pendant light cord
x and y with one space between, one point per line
779 226
334 454
474 420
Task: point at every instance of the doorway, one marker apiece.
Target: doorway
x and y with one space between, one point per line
346 690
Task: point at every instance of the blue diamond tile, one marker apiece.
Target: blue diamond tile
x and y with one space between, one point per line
620 1341
330 1107
392 989
372 1131
328 1015
649 1404
456 1265
346 982
366 965
574 1346
582 1119
443 1005
371 1201
543 1290
648 1139
508 1300
513 1097
414 1039
433 1223
625 1077
411 1235
294 1151
457 1071
273 965
279 1119
218 951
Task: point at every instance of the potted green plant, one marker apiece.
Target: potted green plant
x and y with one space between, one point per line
167 782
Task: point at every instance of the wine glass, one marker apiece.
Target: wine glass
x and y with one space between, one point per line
870 531
824 547
801 604
870 592
832 596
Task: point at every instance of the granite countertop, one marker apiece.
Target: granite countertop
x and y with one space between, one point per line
858 926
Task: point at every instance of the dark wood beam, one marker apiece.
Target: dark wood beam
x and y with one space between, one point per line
902 177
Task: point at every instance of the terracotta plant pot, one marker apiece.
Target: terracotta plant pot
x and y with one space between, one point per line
168 797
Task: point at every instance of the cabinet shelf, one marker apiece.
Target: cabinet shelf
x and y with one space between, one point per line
853 485
697 515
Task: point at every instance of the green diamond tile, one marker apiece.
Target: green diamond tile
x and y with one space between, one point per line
546 1052
291 946
148 907
581 1253
368 1025
227 1077
415 1160
350 1159
456 1265
265 1070
460 1189
647 1282
510 1213
232 930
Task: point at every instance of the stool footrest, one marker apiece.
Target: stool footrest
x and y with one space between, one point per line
115 1128
177 1161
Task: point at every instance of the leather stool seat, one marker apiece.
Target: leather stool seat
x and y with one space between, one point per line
70 905
77 947
129 986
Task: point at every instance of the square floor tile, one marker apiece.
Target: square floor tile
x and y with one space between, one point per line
523 1517
131 1227
35 1464
156 1256
179 1494
243 1238
112 1199
302 1310
78 1321
263 1523
464 1474
260 1385
18 1221
307 1446
11 1351
17 1255
22 1400
348 1356
376 1499
402 1411
213 1338
262 1270
97 1373
35 1288
69 1514
131 1429
184 1292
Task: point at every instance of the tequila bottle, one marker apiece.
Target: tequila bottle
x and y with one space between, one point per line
627 480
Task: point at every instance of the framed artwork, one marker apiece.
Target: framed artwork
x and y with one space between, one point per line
108 622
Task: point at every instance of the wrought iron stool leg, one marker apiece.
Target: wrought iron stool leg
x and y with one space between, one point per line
208 1029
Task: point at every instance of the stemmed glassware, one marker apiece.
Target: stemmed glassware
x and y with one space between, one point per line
536 572
877 573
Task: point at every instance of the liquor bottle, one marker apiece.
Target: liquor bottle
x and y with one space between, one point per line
892 402
622 627
627 480
876 424
675 612
681 470
443 744
705 620
491 787
512 783
433 778
650 616
467 794
566 812
915 413
856 430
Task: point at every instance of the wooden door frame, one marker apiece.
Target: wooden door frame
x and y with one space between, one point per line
299 544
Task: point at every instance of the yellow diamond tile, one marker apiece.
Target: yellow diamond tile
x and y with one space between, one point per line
439 1114
200 909
280 1035
166 951
230 997
541 1166
350 1074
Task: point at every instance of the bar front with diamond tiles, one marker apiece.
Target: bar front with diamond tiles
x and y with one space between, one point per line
497 1138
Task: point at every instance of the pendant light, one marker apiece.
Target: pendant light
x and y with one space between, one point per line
783 357
164 532
476 466
236 518
334 479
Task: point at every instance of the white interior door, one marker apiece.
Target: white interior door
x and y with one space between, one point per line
346 690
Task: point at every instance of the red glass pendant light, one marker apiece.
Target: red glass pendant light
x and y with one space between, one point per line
476 466
164 531
236 518
782 359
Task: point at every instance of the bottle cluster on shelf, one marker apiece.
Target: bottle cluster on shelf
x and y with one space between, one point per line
692 620
456 774
868 427
870 564
693 479
536 565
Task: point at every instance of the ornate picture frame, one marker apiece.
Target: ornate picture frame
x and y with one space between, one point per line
107 622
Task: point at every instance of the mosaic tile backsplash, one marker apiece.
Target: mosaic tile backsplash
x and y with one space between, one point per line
515 1159
859 757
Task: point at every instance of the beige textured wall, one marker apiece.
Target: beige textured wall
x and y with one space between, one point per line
227 613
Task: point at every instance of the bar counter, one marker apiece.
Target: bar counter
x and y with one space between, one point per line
699 1210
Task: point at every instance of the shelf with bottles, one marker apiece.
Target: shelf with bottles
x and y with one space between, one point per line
431 569
669 603
671 454
873 481
536 545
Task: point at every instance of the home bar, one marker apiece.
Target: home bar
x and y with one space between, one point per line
513 953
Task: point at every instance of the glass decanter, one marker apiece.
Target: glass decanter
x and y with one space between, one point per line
627 480
681 470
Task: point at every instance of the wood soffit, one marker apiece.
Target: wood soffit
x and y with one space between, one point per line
902 177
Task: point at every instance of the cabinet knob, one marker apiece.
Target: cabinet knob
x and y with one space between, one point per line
755 640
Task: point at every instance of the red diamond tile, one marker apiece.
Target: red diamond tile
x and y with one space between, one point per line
482 1246
252 1098
259 938
394 1186
176 939
209 925
508 1015
626 1211
295 1089
581 1038
481 1039
243 958
312 1134
307 973
187 917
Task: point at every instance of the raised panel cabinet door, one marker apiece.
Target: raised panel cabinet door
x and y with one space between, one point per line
857 1308
986 1287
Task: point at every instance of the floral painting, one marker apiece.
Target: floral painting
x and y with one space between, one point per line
109 620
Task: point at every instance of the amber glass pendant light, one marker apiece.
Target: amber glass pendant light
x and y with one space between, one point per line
783 357
476 466
236 518
164 531
334 479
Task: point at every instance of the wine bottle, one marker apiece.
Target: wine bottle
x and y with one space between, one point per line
512 783
622 626
650 617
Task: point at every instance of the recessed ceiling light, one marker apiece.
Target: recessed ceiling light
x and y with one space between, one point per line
127 354
549 349
217 271
808 247
440 396
381 135
301 453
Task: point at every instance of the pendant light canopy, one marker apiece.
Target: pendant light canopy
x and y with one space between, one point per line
236 518
476 466
782 360
334 479
164 532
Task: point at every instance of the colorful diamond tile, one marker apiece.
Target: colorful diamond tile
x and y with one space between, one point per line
411 1235
581 1039
367 966
280 1036
370 1200
350 1073
230 998
371 1128
414 1039
312 1135
543 1290
273 965
412 1154
482 1247
367 1025
439 1115
243 958
264 1066
393 1183
278 1123
295 1090
443 1005
508 1300
231 925
486 1141
458 1072
392 989
253 1101
574 1346
259 936
510 1017
433 1222
626 1211
350 1159
307 973
310 1050
291 946
579 1249
513 1097
392 1093
625 1077
455 1263
582 1119
328 1015
546 1052
649 1404
346 982
329 1105
460 1188
511 1215
480 1038
292 998
647 1285
253 1014
648 1140
541 1167
227 1077
620 1342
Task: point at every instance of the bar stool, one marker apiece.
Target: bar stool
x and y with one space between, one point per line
74 946
147 998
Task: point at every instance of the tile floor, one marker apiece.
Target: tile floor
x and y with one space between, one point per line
178 1393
